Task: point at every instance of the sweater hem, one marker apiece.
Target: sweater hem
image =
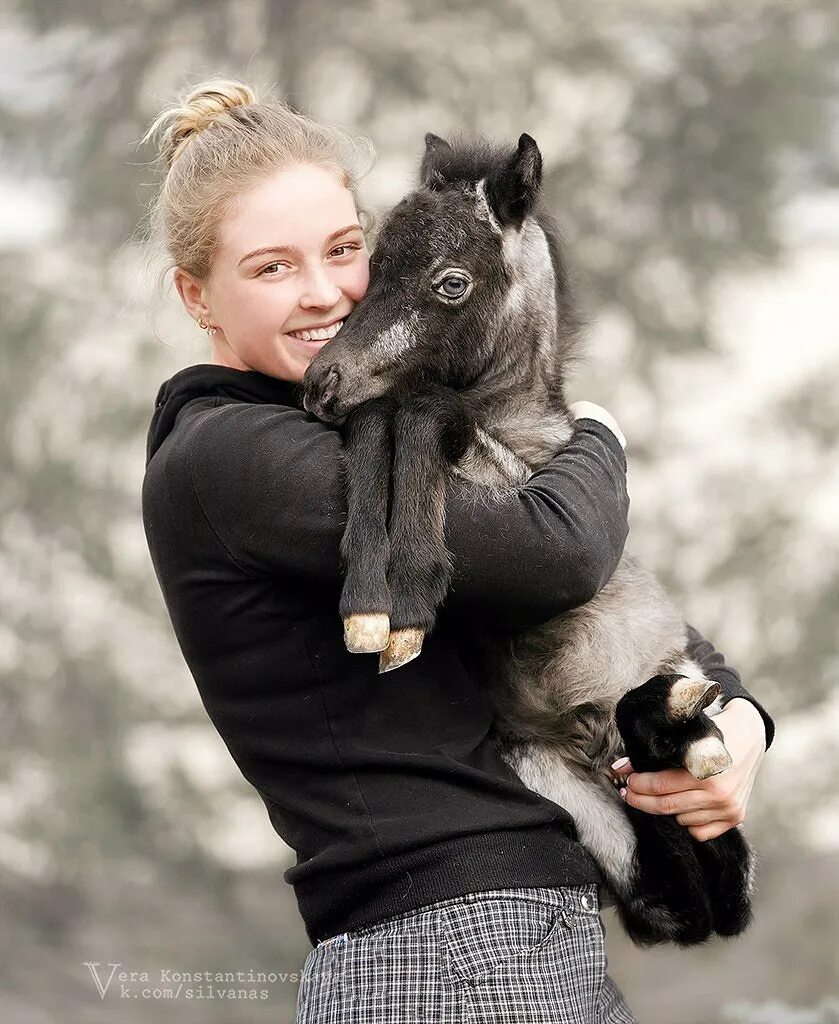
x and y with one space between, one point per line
366 894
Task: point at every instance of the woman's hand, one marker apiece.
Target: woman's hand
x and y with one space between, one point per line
710 807
588 410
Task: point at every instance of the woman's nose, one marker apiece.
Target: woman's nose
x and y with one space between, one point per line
320 292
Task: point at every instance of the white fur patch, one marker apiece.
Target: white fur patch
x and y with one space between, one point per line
687 667
512 468
528 258
398 338
602 825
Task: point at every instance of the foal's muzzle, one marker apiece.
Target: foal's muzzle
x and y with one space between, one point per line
320 394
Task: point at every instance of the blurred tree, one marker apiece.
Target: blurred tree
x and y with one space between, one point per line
673 136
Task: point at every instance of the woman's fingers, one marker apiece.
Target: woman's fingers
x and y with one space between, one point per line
702 833
705 825
668 780
670 803
703 817
706 813
691 809
620 769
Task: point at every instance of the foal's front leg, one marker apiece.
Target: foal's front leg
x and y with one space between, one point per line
365 604
431 431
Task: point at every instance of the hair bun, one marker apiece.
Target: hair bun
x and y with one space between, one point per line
195 111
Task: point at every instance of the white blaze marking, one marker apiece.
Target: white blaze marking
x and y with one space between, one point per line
398 338
483 211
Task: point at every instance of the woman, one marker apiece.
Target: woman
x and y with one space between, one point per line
432 883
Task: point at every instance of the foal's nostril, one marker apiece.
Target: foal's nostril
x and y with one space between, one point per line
320 386
330 386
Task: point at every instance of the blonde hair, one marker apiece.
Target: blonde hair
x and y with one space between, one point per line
219 140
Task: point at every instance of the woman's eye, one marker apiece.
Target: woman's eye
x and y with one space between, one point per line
265 270
453 286
342 250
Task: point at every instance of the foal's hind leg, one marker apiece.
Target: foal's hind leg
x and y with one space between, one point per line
431 430
727 862
365 599
658 895
663 724
728 866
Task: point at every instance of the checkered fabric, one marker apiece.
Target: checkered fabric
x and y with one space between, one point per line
521 956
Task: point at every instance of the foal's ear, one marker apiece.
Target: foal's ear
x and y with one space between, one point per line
437 152
514 189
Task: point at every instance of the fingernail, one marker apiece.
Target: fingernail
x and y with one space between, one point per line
621 761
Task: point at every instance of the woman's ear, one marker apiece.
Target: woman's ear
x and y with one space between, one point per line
191 292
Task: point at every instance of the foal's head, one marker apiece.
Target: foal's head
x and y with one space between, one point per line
467 286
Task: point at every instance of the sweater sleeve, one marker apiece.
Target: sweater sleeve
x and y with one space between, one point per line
714 666
269 482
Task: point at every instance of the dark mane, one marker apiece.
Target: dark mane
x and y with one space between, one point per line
461 162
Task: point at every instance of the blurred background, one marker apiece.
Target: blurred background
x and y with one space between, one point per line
691 155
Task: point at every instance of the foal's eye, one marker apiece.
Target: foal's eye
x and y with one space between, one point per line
453 286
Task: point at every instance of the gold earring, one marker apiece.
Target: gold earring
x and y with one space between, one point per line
206 327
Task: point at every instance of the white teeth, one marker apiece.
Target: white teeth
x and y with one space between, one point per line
319 333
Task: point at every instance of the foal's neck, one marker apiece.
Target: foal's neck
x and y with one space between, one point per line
528 416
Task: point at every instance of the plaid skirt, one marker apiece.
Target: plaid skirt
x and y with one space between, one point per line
521 956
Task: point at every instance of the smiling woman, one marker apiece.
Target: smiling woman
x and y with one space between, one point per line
259 212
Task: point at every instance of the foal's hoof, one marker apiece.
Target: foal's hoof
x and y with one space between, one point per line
688 697
707 757
367 633
405 645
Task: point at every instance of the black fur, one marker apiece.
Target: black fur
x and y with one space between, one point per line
706 882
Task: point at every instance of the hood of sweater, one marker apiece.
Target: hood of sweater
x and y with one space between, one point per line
206 380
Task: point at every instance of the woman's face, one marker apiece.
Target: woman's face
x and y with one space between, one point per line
291 260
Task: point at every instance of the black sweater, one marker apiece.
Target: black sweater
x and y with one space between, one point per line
388 788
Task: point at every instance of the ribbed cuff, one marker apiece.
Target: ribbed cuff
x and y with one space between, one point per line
732 687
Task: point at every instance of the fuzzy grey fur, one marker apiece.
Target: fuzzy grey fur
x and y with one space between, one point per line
555 702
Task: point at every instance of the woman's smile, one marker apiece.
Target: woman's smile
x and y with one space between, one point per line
314 338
